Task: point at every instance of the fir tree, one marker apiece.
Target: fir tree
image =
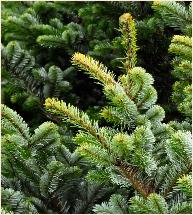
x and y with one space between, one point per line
26 84
139 151
178 16
53 31
40 174
181 46
21 66
175 15
134 151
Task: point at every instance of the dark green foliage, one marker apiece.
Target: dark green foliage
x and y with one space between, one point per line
27 85
179 16
148 155
53 31
139 151
181 46
176 15
113 148
16 201
117 204
22 68
39 174
154 204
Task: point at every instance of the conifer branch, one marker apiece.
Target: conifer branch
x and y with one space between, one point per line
175 181
137 154
76 117
96 69
181 46
14 121
127 28
131 173
175 15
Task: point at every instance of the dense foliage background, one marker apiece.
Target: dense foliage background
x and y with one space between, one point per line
50 166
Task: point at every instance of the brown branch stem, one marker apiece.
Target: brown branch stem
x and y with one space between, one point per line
143 188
